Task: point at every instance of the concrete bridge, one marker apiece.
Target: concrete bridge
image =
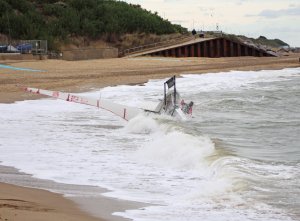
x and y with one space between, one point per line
206 47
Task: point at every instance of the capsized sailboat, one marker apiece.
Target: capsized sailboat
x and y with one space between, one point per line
172 104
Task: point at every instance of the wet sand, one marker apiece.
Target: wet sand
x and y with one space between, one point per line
19 203
22 204
27 198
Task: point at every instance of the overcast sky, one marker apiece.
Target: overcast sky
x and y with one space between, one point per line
270 18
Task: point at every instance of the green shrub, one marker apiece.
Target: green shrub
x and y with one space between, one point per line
55 20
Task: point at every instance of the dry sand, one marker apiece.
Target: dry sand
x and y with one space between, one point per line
19 203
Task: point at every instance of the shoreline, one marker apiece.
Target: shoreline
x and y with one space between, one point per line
82 76
22 195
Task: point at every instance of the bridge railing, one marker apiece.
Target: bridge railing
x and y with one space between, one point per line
154 45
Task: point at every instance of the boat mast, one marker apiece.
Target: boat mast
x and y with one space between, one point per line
165 94
171 83
174 90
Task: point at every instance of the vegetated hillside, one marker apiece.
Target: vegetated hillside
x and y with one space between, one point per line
275 43
60 21
261 40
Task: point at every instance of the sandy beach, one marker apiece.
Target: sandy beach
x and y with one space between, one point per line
20 203
76 76
28 198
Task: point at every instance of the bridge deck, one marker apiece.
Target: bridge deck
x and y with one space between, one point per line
207 47
196 40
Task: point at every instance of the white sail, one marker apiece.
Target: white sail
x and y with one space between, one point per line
122 111
172 104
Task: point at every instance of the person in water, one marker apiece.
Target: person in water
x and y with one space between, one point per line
187 108
190 111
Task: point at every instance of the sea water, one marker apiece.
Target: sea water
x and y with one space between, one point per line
238 158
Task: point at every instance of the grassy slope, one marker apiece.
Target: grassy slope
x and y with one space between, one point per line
65 21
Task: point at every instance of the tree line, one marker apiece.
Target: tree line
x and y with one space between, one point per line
59 20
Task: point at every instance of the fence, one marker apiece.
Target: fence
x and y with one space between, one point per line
35 47
154 45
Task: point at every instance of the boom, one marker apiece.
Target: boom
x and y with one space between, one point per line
122 111
172 104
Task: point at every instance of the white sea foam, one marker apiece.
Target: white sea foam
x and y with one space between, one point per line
142 125
175 166
176 149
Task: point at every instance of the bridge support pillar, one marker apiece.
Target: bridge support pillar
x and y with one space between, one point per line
239 52
231 49
205 49
225 48
198 50
211 49
185 51
178 52
173 54
192 51
246 50
218 48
